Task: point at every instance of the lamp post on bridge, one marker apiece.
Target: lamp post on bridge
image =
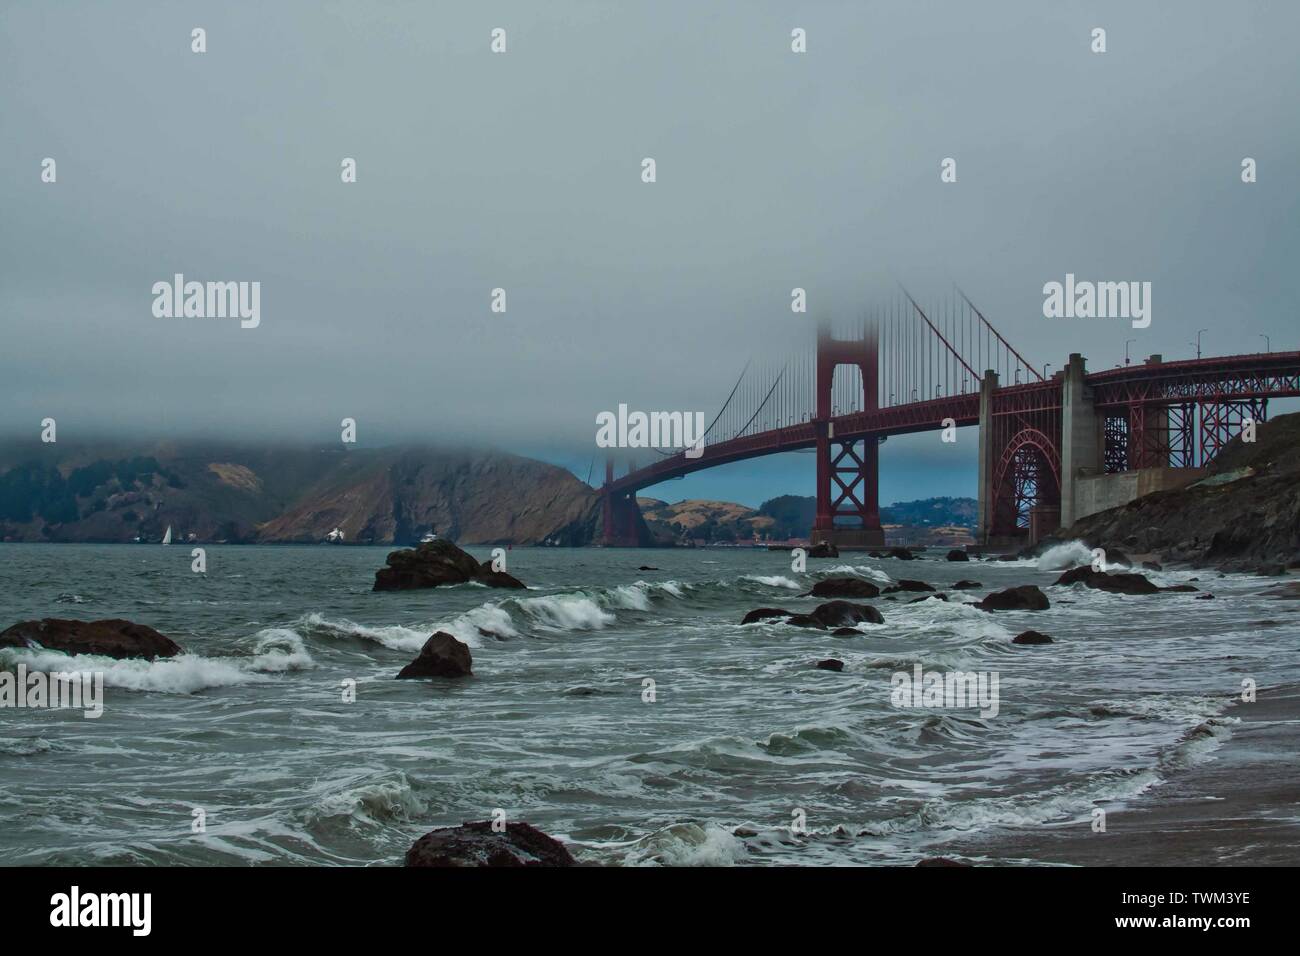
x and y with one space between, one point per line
1126 345
1268 345
1046 366
1198 342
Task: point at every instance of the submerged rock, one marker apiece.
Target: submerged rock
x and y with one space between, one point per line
902 554
763 613
964 585
1024 598
436 563
441 656
844 587
957 554
830 664
832 614
114 637
1031 637
805 620
477 844
904 584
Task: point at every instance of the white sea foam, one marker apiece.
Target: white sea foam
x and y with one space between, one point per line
774 581
1062 557
567 612
182 674
396 636
862 571
686 844
371 803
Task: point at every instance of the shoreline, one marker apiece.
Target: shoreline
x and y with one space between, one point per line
1238 806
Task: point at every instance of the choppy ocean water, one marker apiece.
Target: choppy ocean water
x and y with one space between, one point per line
743 739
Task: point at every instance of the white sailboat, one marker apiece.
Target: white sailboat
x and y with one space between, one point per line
167 538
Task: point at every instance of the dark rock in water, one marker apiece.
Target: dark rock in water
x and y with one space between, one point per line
441 656
966 585
1023 598
805 620
846 632
844 587
915 587
902 554
108 638
1271 570
874 554
646 567
1007 557
941 861
1117 583
957 554
1151 566
1185 588
929 597
435 563
844 614
830 664
1031 637
763 613
824 550
497 579
476 844
1205 597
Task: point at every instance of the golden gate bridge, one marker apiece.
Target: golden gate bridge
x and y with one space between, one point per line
1051 446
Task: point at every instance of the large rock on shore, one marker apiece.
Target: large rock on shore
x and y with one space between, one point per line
1117 583
1027 597
957 554
108 638
845 587
477 844
441 656
436 563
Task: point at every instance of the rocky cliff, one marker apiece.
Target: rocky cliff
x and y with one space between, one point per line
257 494
1246 513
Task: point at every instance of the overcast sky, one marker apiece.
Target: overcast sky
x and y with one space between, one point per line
523 171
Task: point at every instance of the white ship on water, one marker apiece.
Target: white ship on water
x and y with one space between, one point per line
167 538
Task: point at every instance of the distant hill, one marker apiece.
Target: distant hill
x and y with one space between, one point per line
793 515
931 520
236 493
713 522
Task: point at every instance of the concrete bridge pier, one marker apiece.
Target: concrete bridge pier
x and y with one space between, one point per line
1081 435
987 457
